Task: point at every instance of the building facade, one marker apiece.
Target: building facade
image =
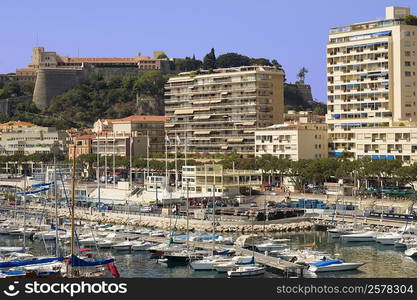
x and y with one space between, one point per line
396 142
206 178
32 139
293 141
371 77
219 110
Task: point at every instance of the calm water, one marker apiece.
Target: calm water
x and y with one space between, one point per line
381 261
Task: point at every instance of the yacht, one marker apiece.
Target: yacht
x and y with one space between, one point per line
388 238
333 265
235 262
141 246
209 262
367 236
246 271
123 246
270 246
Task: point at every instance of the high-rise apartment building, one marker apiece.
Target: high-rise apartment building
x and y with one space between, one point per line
371 74
219 110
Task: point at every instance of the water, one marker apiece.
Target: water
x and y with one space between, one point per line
381 261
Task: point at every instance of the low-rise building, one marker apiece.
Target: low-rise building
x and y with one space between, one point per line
292 141
204 178
396 142
26 138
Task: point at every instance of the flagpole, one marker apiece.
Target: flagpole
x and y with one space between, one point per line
147 153
114 160
98 170
176 164
166 160
130 161
185 147
105 160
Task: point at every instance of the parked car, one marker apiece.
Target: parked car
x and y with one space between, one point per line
253 204
145 209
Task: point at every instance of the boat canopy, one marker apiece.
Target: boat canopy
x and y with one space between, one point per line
327 263
75 261
250 262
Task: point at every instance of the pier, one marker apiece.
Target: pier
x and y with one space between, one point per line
268 261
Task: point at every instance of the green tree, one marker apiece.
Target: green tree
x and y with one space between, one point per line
301 75
209 61
229 60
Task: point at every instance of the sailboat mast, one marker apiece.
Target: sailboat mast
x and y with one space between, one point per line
73 207
56 210
24 211
98 170
187 204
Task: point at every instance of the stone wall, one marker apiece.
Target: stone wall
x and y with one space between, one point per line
52 82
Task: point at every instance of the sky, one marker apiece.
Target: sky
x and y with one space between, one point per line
293 32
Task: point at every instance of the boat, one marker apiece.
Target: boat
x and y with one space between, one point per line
209 262
367 236
246 271
4 250
105 244
269 246
411 252
141 246
236 261
123 246
388 238
333 265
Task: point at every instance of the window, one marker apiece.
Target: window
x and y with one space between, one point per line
407 63
407 53
407 74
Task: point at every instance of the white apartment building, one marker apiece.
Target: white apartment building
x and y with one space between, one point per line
371 76
293 141
205 178
396 142
33 139
219 110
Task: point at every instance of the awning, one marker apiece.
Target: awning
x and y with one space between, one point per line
235 140
201 117
184 111
224 147
207 102
169 125
247 123
202 132
248 131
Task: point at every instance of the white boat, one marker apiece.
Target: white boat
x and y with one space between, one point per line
88 242
209 262
103 244
388 238
411 252
270 246
141 246
333 265
45 235
235 262
367 236
246 271
4 250
123 246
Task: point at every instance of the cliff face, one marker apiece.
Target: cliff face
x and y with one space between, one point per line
299 97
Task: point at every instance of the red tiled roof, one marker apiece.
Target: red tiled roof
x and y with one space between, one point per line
17 123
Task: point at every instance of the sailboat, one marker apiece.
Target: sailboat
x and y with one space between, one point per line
78 267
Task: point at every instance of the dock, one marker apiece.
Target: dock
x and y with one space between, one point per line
268 261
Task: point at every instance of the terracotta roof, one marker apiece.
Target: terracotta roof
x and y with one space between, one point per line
26 70
17 123
102 59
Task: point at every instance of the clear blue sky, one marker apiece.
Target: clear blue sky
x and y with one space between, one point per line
293 32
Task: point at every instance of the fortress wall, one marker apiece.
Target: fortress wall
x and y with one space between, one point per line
52 82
